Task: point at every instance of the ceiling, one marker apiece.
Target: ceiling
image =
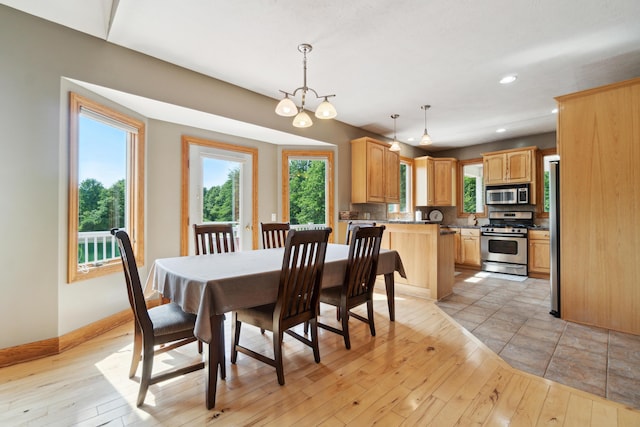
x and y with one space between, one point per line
382 57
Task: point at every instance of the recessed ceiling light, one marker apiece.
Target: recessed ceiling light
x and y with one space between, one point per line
508 79
411 139
554 111
501 130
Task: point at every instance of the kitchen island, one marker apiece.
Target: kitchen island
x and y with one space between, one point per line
427 252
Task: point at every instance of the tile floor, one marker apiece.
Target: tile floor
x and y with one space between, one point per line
512 318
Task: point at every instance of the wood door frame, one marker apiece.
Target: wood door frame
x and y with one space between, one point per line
187 141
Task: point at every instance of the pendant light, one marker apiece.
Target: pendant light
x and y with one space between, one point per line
426 139
395 145
287 107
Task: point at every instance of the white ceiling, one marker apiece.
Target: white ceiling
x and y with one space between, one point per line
382 57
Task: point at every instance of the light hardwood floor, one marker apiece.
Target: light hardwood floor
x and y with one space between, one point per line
422 369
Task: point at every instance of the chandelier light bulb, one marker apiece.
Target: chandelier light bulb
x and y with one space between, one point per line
426 139
302 120
395 145
286 107
325 110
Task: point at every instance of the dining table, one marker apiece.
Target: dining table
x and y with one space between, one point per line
212 285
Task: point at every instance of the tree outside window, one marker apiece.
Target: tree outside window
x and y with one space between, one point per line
105 187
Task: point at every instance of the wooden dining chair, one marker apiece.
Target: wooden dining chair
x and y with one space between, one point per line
213 238
352 225
274 234
297 302
167 325
359 281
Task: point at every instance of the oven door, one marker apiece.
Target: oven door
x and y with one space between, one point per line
503 248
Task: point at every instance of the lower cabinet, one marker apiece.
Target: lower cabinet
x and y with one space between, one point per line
467 247
539 257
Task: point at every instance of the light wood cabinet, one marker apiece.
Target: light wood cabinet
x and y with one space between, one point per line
598 135
375 172
515 166
467 247
427 256
539 258
435 181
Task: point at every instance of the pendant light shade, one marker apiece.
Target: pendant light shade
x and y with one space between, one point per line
426 139
395 145
287 107
325 110
302 120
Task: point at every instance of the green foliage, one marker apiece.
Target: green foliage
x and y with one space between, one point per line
546 191
221 203
307 191
403 187
469 194
100 208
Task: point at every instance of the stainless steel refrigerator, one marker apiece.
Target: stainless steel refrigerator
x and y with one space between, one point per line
554 228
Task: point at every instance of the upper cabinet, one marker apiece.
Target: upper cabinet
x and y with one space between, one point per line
375 172
515 166
435 181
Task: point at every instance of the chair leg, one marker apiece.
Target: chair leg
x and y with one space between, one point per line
199 346
137 352
314 339
145 377
277 352
235 339
223 365
345 328
372 325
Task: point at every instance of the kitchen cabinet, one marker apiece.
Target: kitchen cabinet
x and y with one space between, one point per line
427 255
539 257
467 247
598 134
435 181
516 166
375 172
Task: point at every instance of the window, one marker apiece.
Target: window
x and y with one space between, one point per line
471 188
219 184
406 188
307 194
106 183
542 196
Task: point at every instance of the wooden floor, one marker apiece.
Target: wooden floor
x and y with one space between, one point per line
422 369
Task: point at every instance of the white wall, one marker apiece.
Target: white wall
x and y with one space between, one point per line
35 55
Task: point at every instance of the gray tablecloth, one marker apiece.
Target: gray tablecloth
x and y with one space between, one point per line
219 283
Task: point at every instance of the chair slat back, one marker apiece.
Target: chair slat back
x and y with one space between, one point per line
213 238
362 264
301 276
274 234
132 278
352 225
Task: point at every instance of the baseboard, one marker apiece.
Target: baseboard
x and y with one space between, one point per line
52 346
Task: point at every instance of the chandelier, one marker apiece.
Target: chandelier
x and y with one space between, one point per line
287 108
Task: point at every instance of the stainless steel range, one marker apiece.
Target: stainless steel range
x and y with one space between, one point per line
503 242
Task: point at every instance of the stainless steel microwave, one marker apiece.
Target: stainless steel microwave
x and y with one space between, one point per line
508 195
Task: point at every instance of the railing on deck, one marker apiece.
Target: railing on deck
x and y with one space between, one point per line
96 247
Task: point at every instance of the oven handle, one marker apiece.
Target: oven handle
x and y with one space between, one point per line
515 236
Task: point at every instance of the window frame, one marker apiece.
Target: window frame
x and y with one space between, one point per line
460 189
410 192
297 154
134 193
187 141
540 155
